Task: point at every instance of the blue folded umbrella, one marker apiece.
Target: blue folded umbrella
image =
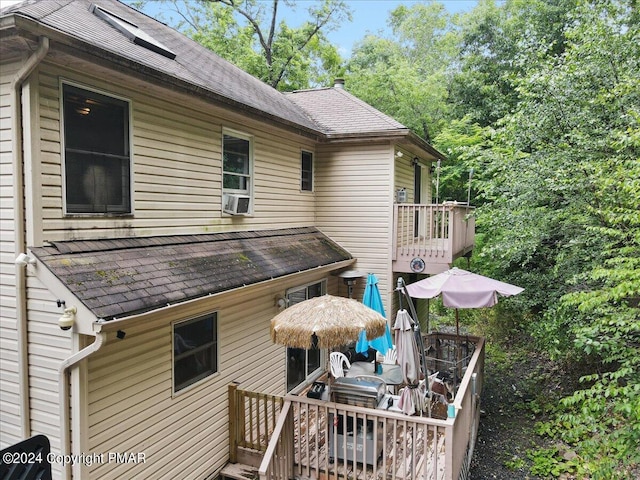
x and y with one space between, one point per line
373 299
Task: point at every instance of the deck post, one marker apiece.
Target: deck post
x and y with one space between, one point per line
233 423
448 451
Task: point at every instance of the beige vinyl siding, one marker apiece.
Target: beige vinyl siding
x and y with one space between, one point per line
48 347
177 170
354 197
10 424
132 407
404 176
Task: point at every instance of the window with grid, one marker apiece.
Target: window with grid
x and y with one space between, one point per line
236 164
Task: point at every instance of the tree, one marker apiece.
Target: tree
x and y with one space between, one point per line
249 34
492 38
407 77
560 181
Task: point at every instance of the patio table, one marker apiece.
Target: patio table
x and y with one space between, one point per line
391 374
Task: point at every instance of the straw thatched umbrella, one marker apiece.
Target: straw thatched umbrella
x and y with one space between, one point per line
325 322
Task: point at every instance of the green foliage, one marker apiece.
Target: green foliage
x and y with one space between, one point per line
547 463
250 35
459 140
494 38
561 182
407 77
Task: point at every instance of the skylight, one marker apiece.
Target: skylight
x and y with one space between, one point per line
132 31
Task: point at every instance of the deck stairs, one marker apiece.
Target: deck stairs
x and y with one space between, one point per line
239 471
246 467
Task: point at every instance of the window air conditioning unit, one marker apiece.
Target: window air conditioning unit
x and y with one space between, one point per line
236 204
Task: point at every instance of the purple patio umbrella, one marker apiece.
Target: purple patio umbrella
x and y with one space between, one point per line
462 289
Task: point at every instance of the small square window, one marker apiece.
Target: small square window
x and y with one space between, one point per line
195 350
306 179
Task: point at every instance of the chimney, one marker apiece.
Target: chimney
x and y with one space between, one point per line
338 83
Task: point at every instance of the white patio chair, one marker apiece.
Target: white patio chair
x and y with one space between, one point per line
391 356
339 364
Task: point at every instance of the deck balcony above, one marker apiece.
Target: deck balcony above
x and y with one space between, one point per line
429 237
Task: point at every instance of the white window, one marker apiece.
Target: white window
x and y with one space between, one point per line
97 158
237 171
236 163
301 363
306 169
195 350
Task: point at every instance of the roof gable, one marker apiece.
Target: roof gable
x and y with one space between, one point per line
116 278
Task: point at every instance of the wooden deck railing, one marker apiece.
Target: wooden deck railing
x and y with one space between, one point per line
437 233
317 439
252 420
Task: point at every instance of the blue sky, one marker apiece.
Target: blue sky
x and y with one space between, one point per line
370 16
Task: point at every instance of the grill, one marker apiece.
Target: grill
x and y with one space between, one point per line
351 438
356 391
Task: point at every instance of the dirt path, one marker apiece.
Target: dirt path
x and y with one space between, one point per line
507 423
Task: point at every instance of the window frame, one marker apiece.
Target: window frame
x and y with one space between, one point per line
322 352
196 379
127 186
250 176
310 170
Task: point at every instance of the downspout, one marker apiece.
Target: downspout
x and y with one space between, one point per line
19 231
65 416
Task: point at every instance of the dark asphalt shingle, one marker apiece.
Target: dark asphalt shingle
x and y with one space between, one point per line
121 277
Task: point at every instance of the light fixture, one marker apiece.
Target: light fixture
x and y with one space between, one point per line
68 318
415 161
349 277
281 302
24 259
121 334
399 154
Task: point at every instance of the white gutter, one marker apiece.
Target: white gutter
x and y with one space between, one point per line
19 232
65 420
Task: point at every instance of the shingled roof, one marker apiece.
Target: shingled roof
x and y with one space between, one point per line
340 113
115 278
194 65
323 113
